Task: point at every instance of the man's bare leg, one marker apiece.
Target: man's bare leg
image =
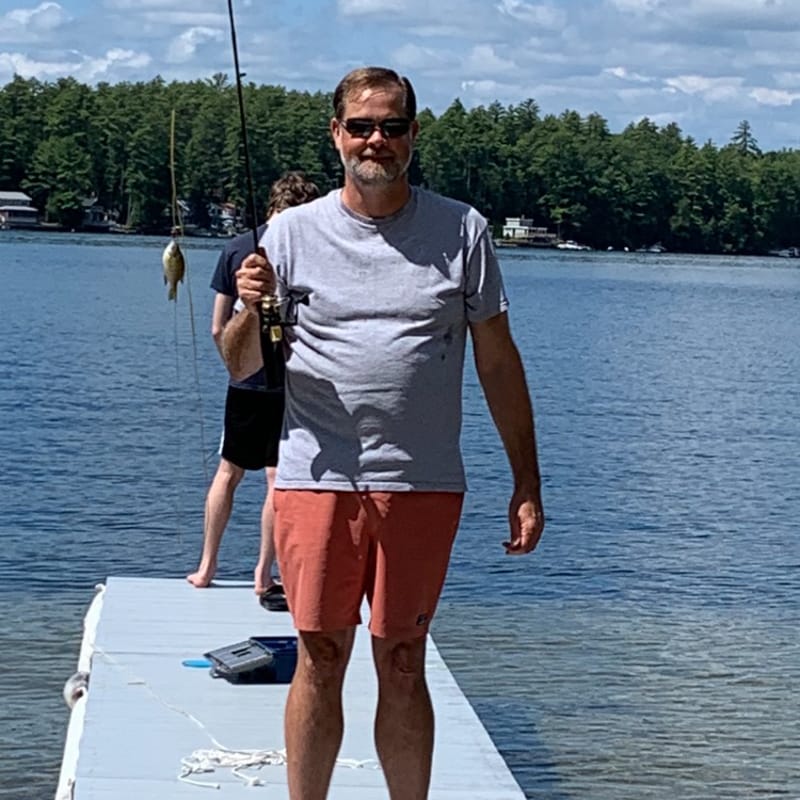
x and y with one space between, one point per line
404 719
266 556
219 503
314 721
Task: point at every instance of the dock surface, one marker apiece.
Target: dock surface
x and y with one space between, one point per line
145 710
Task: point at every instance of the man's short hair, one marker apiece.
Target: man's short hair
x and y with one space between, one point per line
291 189
363 78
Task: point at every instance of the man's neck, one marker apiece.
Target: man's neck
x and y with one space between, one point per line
375 201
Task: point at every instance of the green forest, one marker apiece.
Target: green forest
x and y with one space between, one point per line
64 141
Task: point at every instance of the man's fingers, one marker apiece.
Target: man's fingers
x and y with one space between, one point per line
254 278
519 545
527 523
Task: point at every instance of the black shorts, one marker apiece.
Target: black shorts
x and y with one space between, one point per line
253 424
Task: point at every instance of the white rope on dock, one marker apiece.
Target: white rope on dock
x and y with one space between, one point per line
203 761
220 756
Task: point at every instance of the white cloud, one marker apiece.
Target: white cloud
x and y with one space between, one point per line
444 19
184 47
82 67
162 13
774 97
45 16
538 16
626 75
357 7
137 5
180 18
788 79
483 60
638 6
23 24
428 60
660 118
713 90
742 14
484 91
708 63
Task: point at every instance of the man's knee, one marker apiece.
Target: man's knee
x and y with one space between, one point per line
229 474
400 664
323 657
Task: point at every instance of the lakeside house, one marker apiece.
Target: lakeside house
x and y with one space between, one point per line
521 232
223 218
17 211
95 217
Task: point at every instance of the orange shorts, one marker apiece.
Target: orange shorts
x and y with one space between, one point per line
335 548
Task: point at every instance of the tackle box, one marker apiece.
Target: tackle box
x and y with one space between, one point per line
259 659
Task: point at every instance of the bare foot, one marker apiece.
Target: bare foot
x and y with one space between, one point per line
201 579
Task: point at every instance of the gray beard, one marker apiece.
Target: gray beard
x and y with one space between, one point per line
373 174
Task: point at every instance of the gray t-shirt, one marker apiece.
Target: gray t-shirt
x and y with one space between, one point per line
375 362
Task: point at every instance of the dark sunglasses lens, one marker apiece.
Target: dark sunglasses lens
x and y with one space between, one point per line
359 127
391 128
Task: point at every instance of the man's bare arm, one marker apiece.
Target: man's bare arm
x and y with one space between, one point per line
503 380
241 345
241 341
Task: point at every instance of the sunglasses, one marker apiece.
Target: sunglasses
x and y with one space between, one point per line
389 128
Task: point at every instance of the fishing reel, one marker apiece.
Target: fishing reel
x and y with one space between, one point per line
277 314
271 342
271 324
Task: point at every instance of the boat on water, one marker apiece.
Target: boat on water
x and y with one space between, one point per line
19 218
571 244
521 232
786 252
18 212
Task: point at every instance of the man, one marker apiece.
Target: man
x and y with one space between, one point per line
253 415
370 477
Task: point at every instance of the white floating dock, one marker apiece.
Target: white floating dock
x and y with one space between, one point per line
145 711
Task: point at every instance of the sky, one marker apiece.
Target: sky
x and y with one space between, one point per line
703 64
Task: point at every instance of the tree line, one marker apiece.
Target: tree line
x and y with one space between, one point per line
64 141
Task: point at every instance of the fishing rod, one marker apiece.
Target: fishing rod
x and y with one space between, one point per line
270 330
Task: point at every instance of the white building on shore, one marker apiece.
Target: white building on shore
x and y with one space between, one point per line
17 211
522 231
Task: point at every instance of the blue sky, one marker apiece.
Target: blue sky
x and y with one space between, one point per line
704 64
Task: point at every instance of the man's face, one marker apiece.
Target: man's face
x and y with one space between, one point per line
378 158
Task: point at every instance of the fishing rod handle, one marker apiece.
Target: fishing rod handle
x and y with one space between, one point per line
271 318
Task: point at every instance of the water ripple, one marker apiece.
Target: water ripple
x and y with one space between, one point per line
648 650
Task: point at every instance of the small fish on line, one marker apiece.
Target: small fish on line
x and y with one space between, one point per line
174 268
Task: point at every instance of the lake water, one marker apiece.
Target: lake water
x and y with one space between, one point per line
649 649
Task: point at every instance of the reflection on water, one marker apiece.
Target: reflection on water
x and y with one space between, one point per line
609 700
648 650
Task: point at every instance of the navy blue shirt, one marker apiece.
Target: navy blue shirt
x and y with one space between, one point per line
223 281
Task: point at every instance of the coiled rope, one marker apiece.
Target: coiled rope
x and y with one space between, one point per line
220 757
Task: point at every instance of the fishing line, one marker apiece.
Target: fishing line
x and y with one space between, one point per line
268 313
177 225
178 493
177 222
